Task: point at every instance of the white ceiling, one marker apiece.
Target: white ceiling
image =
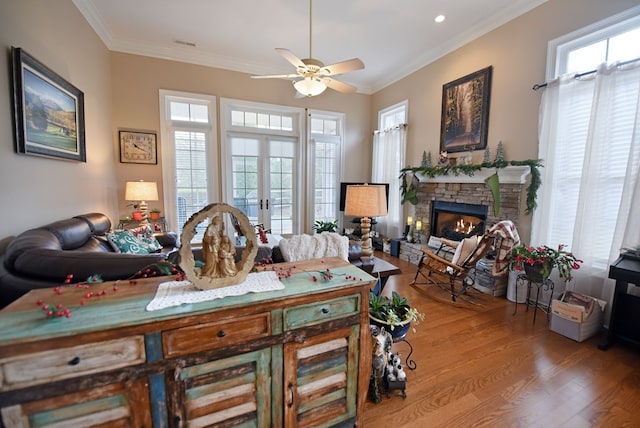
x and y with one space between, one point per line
392 37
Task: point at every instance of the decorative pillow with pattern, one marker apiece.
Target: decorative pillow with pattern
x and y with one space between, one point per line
123 241
145 235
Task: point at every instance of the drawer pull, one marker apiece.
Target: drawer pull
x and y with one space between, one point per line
221 333
325 310
74 362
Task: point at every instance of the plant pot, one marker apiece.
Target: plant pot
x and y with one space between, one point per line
534 272
399 331
154 216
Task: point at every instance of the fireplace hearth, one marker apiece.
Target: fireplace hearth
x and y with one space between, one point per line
456 221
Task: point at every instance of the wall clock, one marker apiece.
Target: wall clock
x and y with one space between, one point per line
138 147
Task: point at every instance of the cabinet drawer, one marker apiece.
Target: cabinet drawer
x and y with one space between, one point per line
315 313
200 337
74 361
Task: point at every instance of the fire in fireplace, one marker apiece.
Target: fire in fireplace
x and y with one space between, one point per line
456 221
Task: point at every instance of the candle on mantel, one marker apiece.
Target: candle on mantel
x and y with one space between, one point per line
410 221
419 225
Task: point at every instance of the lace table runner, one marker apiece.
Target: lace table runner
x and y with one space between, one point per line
176 293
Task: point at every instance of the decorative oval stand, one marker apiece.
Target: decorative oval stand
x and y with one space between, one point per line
243 267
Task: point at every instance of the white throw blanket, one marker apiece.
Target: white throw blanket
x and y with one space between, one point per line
304 247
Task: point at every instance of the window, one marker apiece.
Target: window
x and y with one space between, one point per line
587 143
325 148
188 151
613 39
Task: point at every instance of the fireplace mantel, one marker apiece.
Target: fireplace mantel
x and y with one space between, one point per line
507 175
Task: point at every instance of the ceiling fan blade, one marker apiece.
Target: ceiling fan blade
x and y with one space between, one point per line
342 67
277 76
291 57
339 86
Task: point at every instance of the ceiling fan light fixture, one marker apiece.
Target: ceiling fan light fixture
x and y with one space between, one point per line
309 87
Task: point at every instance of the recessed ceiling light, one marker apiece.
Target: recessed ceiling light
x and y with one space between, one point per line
439 18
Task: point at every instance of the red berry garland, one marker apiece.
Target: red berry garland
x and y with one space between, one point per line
59 311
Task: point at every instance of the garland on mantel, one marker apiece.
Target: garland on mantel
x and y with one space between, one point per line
409 192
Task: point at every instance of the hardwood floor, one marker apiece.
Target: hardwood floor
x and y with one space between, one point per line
489 368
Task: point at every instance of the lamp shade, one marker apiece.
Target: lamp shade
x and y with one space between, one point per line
141 191
309 86
363 200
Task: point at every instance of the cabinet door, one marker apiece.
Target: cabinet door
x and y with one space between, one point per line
321 379
226 392
119 405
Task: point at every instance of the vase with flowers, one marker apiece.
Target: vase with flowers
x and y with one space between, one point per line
538 262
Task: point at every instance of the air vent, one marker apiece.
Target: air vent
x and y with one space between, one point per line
182 42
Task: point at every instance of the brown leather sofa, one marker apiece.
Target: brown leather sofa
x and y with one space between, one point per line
45 256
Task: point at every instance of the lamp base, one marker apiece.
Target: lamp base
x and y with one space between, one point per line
143 210
365 226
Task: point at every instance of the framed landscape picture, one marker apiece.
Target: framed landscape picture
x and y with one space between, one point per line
465 112
48 111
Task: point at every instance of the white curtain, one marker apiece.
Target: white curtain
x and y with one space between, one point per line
590 146
389 148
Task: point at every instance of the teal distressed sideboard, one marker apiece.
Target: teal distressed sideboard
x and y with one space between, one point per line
294 357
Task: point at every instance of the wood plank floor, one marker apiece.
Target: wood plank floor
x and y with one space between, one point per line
489 368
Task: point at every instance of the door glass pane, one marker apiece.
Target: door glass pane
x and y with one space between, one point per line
244 176
281 170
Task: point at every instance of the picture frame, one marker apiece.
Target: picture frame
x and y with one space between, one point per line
48 111
138 147
465 112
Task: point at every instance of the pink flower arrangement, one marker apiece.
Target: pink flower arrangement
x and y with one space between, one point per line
549 258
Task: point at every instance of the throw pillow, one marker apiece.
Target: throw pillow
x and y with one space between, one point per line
464 250
123 241
145 235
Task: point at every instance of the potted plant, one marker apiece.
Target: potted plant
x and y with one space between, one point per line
538 262
325 226
395 314
155 214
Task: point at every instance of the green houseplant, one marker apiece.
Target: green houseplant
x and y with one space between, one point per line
325 226
395 314
154 214
545 259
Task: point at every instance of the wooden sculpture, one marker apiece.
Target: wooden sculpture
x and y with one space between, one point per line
219 267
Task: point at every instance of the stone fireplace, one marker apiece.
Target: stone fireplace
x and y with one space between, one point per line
467 191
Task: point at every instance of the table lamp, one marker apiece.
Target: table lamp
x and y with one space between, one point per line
141 191
366 201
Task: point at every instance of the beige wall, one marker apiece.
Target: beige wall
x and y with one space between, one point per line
517 51
121 91
35 190
137 81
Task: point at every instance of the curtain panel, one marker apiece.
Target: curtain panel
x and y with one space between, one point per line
589 133
389 149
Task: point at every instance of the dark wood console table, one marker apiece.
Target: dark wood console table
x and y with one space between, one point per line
624 325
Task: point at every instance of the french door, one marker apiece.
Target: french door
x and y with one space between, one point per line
263 171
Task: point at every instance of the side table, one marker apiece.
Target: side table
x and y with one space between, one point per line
158 226
546 284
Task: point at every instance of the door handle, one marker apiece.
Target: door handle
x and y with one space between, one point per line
291 394
267 203
260 203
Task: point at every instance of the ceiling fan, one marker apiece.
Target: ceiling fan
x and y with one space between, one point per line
312 77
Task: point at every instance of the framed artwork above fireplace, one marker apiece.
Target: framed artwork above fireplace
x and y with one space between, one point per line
465 112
